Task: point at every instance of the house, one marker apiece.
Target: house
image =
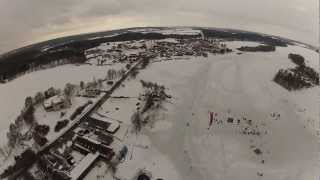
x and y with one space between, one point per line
83 166
89 92
133 57
55 103
89 145
105 138
92 92
86 144
104 123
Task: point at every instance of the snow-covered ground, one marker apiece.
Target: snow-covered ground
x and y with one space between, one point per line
179 145
241 84
230 85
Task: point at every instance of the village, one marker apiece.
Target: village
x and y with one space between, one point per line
167 49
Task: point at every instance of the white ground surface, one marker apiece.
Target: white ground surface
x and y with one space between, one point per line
241 84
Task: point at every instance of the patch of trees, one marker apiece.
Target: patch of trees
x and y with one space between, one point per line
61 124
297 59
111 74
134 72
257 151
39 98
132 36
14 136
28 176
114 74
136 120
145 63
15 64
297 78
27 158
245 36
79 110
43 130
26 116
154 95
128 66
40 139
68 91
39 133
82 85
259 48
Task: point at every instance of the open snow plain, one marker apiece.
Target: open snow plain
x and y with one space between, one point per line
181 144
237 86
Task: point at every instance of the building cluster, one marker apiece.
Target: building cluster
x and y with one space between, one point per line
135 50
77 151
89 92
117 52
188 47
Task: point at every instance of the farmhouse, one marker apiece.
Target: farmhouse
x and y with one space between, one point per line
104 123
89 92
55 103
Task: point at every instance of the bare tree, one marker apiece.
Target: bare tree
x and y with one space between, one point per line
136 121
82 85
111 74
28 102
38 98
68 90
100 81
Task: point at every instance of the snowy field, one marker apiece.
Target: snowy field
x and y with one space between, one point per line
179 146
238 86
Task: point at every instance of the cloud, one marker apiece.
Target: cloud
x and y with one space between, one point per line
23 22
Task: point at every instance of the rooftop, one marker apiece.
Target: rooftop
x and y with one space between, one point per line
113 125
83 165
53 100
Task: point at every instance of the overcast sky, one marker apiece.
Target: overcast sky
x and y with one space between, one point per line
26 21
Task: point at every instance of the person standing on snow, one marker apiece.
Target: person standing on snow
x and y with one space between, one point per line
211 114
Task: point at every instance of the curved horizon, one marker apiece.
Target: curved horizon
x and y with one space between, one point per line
27 22
144 27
